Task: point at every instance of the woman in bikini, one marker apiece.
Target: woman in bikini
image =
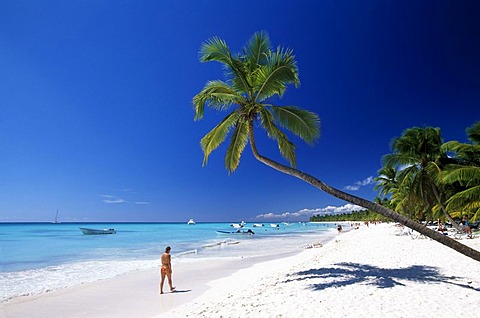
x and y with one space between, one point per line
166 270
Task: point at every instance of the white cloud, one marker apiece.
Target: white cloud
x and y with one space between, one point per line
142 203
358 184
307 213
111 199
353 188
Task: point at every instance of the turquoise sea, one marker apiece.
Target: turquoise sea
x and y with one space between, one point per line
40 257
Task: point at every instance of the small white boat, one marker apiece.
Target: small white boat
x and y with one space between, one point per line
238 225
258 225
274 225
96 231
191 222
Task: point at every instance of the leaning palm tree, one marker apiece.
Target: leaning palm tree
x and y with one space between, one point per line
255 78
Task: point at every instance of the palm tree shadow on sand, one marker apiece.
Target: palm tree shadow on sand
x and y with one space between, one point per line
353 273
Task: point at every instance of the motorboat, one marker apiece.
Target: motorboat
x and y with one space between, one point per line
274 225
238 225
258 225
249 232
96 231
191 222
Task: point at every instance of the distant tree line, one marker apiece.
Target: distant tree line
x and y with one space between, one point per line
363 215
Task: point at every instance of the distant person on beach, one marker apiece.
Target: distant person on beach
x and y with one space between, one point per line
439 226
466 227
339 228
166 270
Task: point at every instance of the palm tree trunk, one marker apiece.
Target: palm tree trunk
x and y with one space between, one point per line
445 240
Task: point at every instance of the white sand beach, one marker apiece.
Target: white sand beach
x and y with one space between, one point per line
369 272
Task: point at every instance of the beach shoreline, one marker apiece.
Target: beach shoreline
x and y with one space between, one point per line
63 257
108 297
379 273
133 294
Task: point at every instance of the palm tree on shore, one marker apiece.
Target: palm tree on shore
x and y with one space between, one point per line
465 173
255 77
418 152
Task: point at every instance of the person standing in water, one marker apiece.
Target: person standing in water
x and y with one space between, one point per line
166 269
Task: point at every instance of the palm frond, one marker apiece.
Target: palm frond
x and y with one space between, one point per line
216 94
215 49
406 183
465 175
241 78
217 135
473 133
468 154
458 147
303 123
421 187
274 77
237 144
285 146
433 172
422 143
467 200
257 49
399 160
386 181
451 146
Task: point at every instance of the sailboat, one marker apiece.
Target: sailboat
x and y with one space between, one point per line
56 218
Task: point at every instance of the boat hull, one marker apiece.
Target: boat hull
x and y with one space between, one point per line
96 231
236 232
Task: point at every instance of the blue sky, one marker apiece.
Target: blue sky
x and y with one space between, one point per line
96 118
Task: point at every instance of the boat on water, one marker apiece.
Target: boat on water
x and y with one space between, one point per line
96 231
191 222
238 225
56 218
274 225
249 232
258 225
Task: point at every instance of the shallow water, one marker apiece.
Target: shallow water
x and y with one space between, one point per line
40 257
